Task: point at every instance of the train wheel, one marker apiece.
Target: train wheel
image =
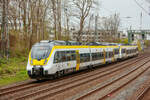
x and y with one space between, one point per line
90 67
54 76
62 72
57 75
39 79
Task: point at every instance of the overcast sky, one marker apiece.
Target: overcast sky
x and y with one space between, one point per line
127 8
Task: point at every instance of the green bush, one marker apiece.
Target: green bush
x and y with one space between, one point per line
13 65
146 42
13 70
124 41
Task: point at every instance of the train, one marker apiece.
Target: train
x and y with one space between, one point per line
52 59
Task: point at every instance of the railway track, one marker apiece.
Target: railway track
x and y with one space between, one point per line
53 85
120 82
54 95
143 93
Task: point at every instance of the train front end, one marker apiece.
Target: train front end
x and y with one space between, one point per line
39 61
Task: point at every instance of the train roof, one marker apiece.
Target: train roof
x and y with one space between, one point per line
59 43
102 44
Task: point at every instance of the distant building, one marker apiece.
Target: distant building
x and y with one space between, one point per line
122 35
90 36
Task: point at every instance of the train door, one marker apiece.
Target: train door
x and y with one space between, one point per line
104 56
113 55
77 60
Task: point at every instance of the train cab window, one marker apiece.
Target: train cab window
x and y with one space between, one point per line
40 52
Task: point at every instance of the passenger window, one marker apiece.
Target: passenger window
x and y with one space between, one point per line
107 54
85 57
73 56
68 55
81 58
63 56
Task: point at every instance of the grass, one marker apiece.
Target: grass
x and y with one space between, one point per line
13 70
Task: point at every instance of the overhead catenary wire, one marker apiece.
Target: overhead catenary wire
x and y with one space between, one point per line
108 10
141 7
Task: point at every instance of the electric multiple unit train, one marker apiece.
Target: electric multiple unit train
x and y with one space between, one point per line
55 58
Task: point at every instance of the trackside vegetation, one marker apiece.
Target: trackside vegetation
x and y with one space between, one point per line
13 70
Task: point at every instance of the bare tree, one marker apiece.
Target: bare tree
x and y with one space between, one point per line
4 27
115 25
31 20
28 19
111 25
83 8
89 28
56 10
59 18
67 14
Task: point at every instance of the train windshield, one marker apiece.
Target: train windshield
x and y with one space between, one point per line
40 52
